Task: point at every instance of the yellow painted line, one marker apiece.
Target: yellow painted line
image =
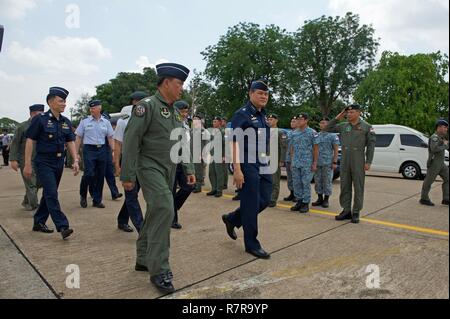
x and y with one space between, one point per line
417 229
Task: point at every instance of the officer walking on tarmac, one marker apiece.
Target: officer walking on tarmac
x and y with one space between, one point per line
272 120
17 159
146 154
199 163
255 186
130 208
358 148
93 132
225 162
436 163
50 131
327 163
304 155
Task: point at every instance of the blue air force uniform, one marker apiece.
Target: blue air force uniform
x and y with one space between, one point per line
257 190
324 173
95 151
303 145
51 135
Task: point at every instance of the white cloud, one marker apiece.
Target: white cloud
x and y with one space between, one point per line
144 62
61 55
11 78
406 26
17 9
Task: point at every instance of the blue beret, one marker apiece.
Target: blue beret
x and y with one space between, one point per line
442 122
138 95
259 85
95 103
58 91
172 70
37 107
181 105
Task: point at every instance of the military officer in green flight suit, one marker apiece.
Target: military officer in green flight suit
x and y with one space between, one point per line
358 148
147 156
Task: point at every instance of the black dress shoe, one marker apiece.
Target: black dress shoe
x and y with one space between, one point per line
100 205
344 215
273 204
117 197
445 202
197 190
297 207
66 233
176 226
83 202
138 267
230 227
126 228
163 282
212 193
218 194
427 202
42 228
259 253
355 218
237 197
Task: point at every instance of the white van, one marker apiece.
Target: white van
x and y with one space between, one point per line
400 149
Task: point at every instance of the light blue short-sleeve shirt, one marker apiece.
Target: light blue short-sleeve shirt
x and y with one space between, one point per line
94 132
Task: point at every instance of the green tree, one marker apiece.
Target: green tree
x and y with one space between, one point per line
330 57
8 124
407 90
246 53
81 109
116 93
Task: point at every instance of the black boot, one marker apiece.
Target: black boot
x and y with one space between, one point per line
305 208
326 202
297 207
344 215
355 218
289 198
319 201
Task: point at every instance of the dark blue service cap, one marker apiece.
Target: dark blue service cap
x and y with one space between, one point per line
95 103
259 85
172 70
273 116
353 107
37 107
199 116
181 105
217 118
138 95
442 122
58 91
304 116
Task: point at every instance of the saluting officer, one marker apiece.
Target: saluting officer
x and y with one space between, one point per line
288 161
358 148
216 168
92 132
17 159
130 208
50 131
146 154
255 186
304 155
272 120
436 164
327 163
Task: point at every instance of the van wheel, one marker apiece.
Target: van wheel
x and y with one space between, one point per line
411 171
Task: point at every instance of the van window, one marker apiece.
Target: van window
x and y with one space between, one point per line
411 140
384 140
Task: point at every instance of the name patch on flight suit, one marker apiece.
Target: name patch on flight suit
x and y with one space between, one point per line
165 112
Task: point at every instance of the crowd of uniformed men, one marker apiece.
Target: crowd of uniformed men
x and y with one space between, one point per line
138 151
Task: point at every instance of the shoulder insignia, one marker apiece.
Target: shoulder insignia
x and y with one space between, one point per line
140 111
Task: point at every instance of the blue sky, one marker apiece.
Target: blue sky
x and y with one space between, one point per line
41 50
